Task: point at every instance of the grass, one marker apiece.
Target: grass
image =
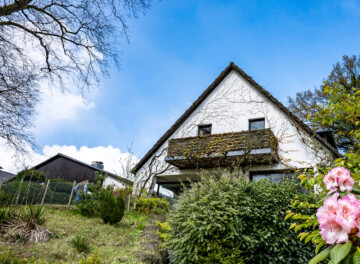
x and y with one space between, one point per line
120 243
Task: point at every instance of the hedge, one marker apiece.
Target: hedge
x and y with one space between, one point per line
32 192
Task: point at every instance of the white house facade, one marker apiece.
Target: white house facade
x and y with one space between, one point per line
234 125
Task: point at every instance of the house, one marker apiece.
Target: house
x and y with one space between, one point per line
235 125
64 167
5 176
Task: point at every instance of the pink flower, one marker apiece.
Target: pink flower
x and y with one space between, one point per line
330 207
338 217
348 211
338 177
330 181
346 182
332 232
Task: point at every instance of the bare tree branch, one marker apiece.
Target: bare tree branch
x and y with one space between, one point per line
65 43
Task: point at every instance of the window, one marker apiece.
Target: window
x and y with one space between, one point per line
257 124
204 130
272 176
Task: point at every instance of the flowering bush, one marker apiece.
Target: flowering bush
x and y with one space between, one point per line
338 219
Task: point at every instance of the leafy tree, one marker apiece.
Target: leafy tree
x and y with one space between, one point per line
67 43
306 104
342 108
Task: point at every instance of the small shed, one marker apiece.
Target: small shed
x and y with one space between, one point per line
67 168
5 176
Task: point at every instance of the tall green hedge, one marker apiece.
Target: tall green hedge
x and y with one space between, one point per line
31 175
235 219
32 192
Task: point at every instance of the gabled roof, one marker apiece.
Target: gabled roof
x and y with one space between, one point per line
232 66
5 176
60 155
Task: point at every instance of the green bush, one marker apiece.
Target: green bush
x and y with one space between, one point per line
7 214
152 205
112 209
31 175
90 203
10 258
33 216
89 206
223 221
81 244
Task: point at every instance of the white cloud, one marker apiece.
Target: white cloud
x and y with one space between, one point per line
56 107
114 160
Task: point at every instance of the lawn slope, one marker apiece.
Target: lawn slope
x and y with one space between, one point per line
127 242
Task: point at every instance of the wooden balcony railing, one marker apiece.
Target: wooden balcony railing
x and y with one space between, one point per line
228 149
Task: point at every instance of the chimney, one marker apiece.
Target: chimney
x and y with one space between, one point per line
97 164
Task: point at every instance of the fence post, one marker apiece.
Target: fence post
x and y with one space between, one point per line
71 195
43 199
18 194
128 203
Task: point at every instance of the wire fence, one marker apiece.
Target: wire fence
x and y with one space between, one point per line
33 192
28 192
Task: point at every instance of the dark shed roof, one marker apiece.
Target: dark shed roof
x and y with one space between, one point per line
232 66
59 156
5 176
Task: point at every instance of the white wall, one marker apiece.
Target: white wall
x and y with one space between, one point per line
228 108
109 181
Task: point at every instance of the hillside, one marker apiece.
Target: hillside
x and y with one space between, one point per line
133 240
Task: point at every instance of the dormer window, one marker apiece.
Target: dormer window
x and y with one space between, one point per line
204 130
257 124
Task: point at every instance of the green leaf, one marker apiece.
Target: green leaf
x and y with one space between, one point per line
309 238
298 228
303 235
355 190
346 260
356 257
321 256
318 247
292 226
339 252
288 216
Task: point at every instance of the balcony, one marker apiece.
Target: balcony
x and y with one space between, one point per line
221 150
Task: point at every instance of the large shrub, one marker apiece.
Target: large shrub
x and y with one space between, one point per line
223 221
152 205
112 209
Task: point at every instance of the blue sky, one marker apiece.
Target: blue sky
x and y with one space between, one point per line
179 47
